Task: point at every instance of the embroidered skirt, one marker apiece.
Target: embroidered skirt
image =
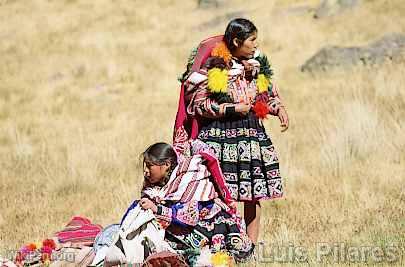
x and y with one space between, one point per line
248 158
218 230
215 228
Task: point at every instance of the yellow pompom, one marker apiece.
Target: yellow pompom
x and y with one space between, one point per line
262 83
220 259
217 80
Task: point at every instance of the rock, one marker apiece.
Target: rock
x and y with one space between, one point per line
221 20
390 47
208 3
333 7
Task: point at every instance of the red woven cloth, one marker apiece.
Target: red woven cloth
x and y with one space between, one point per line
189 123
79 231
216 172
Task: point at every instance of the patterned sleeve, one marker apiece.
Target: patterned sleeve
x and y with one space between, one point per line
180 213
164 213
200 102
274 101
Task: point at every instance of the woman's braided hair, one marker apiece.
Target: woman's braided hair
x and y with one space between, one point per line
160 154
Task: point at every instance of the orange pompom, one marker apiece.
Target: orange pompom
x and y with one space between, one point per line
32 247
222 51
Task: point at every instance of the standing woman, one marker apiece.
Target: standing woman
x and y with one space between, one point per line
226 93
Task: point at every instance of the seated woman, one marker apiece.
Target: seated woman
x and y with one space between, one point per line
189 199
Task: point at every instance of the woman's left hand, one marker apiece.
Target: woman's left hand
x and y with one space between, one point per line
146 203
282 115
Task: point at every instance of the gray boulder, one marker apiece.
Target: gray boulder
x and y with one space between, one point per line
333 7
208 3
390 47
222 20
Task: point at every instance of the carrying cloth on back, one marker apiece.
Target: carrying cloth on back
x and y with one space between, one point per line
187 127
198 178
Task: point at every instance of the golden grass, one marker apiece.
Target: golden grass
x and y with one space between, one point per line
85 87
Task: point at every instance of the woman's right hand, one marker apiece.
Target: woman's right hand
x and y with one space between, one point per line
146 203
282 115
243 108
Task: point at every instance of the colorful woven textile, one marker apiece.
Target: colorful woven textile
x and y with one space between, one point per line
198 177
79 232
247 157
185 122
192 207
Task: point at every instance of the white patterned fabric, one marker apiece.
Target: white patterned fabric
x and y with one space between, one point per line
139 236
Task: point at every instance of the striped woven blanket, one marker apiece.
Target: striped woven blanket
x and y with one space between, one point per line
79 232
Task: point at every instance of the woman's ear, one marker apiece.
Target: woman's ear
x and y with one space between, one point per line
235 42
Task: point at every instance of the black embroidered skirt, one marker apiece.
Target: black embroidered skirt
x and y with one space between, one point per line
248 158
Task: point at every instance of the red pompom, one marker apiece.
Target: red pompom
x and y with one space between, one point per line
261 109
49 243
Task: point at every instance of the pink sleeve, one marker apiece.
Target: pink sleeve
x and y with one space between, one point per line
200 102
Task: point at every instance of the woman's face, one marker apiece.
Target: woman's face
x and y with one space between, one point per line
154 173
248 48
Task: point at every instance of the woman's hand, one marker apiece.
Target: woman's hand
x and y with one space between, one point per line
243 108
247 65
146 203
282 115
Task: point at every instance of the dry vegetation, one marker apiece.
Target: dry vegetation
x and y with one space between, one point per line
85 86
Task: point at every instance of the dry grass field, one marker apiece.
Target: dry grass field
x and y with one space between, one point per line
85 86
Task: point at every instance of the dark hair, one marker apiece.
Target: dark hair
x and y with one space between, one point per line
240 29
215 62
159 154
